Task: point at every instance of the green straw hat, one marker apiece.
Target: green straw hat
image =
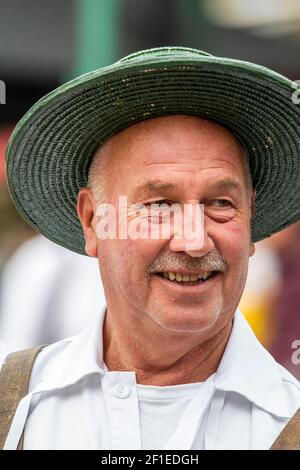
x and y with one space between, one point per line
50 150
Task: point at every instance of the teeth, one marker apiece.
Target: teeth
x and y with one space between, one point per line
205 276
185 277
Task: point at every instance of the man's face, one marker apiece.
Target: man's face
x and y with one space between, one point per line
181 160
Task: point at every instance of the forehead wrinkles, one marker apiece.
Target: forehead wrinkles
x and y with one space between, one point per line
168 155
183 176
192 173
135 151
201 164
183 133
188 179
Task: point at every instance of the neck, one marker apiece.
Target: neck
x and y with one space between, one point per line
160 357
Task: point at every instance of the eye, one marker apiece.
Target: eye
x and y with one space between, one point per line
160 202
220 203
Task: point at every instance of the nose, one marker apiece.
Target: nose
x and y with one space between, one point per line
189 234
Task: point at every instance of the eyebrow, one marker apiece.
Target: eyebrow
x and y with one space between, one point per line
156 186
227 183
153 186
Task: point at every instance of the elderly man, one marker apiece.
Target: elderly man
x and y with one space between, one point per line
171 363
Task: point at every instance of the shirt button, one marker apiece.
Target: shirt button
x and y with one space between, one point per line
122 390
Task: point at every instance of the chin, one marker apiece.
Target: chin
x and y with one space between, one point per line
187 320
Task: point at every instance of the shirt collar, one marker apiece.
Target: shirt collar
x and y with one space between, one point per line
82 355
245 368
249 369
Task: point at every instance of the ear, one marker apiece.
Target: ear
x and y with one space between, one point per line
251 249
252 209
86 211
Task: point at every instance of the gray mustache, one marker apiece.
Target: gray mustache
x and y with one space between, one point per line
170 262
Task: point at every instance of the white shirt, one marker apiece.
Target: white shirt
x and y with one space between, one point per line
74 402
47 293
161 409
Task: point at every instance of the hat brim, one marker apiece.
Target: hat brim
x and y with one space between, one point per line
49 153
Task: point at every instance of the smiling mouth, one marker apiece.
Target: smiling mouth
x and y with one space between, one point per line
187 279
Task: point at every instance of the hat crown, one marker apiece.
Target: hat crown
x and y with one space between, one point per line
157 52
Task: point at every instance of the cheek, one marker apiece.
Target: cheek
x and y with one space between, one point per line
141 254
128 259
233 242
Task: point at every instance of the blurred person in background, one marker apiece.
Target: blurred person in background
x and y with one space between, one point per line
46 293
286 304
13 230
263 282
271 299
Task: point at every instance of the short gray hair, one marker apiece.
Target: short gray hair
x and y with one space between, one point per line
96 179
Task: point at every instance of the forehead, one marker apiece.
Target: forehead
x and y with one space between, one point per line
181 144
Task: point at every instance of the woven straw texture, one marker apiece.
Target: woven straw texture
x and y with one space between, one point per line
49 153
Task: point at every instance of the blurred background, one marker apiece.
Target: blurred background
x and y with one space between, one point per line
46 292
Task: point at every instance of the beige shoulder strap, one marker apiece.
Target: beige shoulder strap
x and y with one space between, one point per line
14 381
289 438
